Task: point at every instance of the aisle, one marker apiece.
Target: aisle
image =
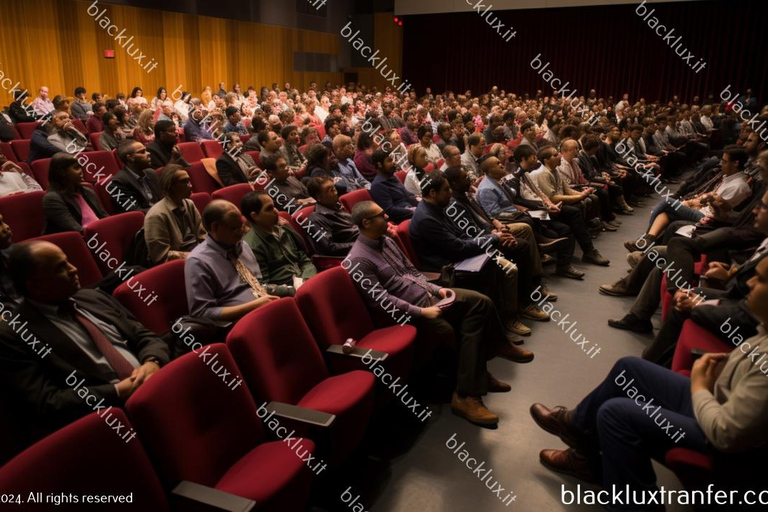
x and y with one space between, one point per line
430 478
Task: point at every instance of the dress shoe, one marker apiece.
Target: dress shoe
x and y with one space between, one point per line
635 202
473 409
593 223
551 244
595 258
617 289
514 354
534 312
569 462
608 227
496 386
546 259
634 258
517 327
514 338
632 323
634 245
558 421
550 296
570 272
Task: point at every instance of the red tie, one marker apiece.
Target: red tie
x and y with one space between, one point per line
119 364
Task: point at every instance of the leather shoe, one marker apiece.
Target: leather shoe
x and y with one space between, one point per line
634 258
534 312
570 272
595 258
557 421
617 289
496 386
608 227
551 244
546 259
514 354
550 296
473 409
518 328
569 462
632 323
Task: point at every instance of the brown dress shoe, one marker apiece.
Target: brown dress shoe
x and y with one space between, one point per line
496 386
514 354
569 462
517 327
617 289
473 409
534 312
557 421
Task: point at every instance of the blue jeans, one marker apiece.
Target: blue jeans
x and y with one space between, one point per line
675 211
630 433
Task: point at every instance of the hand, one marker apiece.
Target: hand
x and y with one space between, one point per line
176 151
719 273
142 374
308 200
445 292
705 372
391 230
685 302
282 221
431 312
263 301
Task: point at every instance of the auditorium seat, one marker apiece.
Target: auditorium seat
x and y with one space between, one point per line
104 196
117 232
191 152
274 373
321 262
80 126
73 245
245 138
303 149
103 166
40 171
24 214
7 152
212 148
201 200
256 155
233 193
334 311
26 129
201 428
21 148
693 336
166 282
350 199
94 138
440 163
320 130
119 162
201 180
400 175
694 469
404 241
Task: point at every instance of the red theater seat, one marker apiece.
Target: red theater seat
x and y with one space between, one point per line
400 175
201 200
7 151
102 192
187 404
191 152
320 261
99 165
695 336
256 155
274 373
24 214
94 138
73 245
119 162
40 171
404 241
80 126
166 282
201 180
21 148
350 199
115 234
234 193
212 148
26 129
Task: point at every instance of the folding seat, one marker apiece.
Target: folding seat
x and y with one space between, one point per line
21 148
350 199
233 193
181 136
80 126
198 424
245 138
102 192
40 171
110 238
191 152
274 373
440 163
212 148
201 180
334 311
404 241
73 245
256 155
7 151
201 200
94 138
24 213
298 222
694 336
99 165
299 175
400 175
166 282
17 135
26 129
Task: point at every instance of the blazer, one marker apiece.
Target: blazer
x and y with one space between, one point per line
62 212
161 155
162 233
42 384
230 172
125 186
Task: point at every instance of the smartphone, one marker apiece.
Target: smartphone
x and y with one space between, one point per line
697 353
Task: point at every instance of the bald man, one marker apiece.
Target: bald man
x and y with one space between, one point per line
67 351
344 150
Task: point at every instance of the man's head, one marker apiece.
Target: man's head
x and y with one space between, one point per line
550 157
383 162
40 271
175 182
757 300
492 167
259 208
734 159
323 190
525 157
269 141
6 235
476 143
277 168
43 92
458 178
233 115
290 134
166 133
59 120
754 145
332 126
591 144
111 123
435 189
224 222
135 155
636 131
370 218
569 148
80 93
452 155
343 147
528 130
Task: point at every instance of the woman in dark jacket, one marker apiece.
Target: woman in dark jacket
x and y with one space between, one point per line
68 205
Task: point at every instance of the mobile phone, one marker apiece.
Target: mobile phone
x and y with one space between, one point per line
696 353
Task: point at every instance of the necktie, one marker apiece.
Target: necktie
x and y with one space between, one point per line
119 364
245 274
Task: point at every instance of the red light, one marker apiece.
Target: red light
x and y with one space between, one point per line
400 23
110 54
396 19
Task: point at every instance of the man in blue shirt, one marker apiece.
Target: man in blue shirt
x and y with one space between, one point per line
387 190
344 150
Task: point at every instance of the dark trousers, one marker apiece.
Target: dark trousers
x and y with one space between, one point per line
629 435
556 229
571 216
521 256
475 324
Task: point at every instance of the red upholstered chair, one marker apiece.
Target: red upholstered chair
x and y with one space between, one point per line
21 148
187 404
24 213
256 155
320 130
245 138
100 165
201 200
440 163
334 311
16 135
322 262
695 336
119 162
73 245
26 129
102 192
166 282
300 173
117 233
201 180
400 175
7 151
694 469
40 171
191 152
274 373
80 126
94 138
350 199
212 148
234 193
303 148
404 241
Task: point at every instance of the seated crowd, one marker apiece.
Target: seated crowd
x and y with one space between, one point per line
450 206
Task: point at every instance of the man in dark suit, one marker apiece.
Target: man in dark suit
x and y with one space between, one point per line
65 352
136 187
234 165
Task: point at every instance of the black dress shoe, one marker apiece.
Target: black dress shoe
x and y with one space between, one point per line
631 323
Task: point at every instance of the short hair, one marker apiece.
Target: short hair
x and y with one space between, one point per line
263 137
306 132
79 91
329 122
452 174
58 168
214 212
112 104
98 105
95 96
474 139
568 142
269 162
737 154
108 117
423 130
287 130
448 148
379 157
361 211
543 152
21 265
523 152
434 181
253 202
636 127
162 126
315 186
508 115
230 111
166 177
590 142
126 148
527 125
315 155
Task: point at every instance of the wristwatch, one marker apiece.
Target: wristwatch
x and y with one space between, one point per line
154 360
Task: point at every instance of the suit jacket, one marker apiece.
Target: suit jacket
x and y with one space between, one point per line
40 383
162 233
133 197
62 212
229 171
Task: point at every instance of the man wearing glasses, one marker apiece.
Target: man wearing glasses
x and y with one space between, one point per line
330 228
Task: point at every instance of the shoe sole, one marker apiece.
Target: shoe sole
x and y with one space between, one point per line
623 327
484 423
530 331
535 318
614 294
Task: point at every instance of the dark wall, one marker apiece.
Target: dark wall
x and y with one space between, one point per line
608 48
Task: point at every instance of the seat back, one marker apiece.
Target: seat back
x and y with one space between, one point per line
26 129
21 148
99 165
40 171
94 138
400 175
24 214
350 199
187 405
299 222
201 200
201 180
80 126
110 238
191 152
7 151
102 191
269 361
333 309
166 283
73 245
256 155
212 148
405 243
86 457
120 163
233 193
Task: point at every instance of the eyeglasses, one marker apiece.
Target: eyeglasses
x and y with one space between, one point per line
380 214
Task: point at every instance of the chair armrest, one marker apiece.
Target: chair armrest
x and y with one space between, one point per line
323 262
431 276
359 352
215 498
302 414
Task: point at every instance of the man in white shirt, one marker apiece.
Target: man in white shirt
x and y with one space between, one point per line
42 105
475 147
13 180
323 109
